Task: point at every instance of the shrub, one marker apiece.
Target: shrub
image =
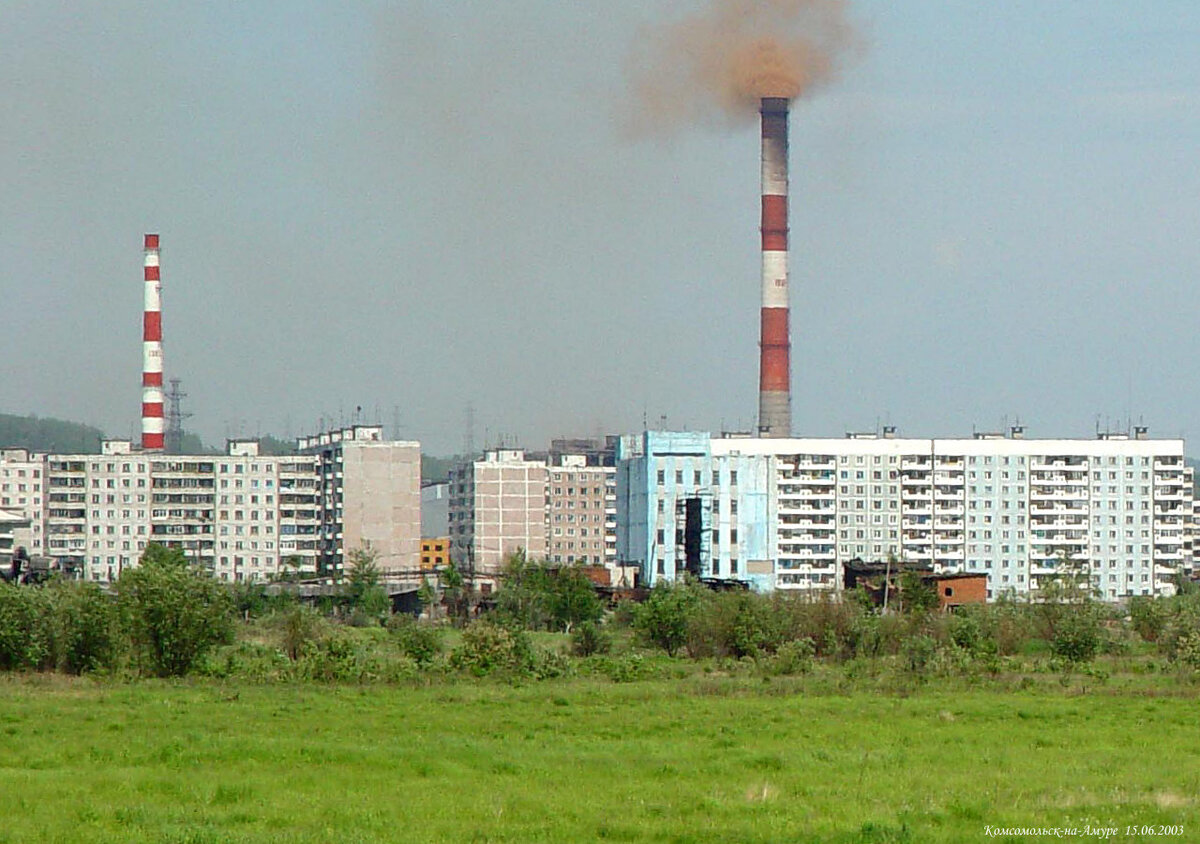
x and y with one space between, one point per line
1180 641
918 652
795 657
24 631
589 639
1148 617
175 613
332 659
84 627
1076 636
419 642
301 626
488 647
1186 650
664 618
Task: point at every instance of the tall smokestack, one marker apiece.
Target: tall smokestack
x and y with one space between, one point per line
774 367
152 358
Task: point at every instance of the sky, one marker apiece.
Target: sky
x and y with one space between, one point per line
414 207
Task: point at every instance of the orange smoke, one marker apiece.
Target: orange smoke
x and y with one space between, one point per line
719 64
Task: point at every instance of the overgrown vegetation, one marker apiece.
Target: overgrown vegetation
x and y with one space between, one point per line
166 618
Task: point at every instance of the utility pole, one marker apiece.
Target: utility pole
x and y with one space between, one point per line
175 417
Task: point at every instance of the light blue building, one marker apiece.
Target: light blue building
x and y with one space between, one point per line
682 509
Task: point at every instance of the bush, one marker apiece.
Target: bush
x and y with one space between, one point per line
84 627
795 657
332 659
589 639
302 626
918 652
175 613
1076 636
24 628
1148 617
1180 640
487 647
663 620
419 642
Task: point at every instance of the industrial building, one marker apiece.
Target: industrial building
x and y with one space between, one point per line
788 513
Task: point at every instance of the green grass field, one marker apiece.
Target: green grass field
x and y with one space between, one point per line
693 759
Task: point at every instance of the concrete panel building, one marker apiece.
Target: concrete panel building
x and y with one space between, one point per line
22 475
370 497
581 512
497 506
435 509
787 513
242 515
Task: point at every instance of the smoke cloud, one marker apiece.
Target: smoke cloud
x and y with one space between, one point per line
715 66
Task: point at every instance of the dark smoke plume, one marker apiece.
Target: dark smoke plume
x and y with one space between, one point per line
717 65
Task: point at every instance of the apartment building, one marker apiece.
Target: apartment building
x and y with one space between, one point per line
242 515
497 506
22 475
581 511
370 494
788 513
223 511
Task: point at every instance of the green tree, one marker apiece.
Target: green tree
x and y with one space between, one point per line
916 594
175 612
572 599
456 594
664 618
364 590
525 592
428 596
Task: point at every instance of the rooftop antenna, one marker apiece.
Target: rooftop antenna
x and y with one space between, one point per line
395 422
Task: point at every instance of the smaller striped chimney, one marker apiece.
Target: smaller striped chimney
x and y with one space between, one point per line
153 428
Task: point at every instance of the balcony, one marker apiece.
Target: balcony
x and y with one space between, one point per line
1058 510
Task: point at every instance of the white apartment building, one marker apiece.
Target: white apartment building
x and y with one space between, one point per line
223 511
242 515
22 475
1117 507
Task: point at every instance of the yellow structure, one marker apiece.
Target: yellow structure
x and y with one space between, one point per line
435 553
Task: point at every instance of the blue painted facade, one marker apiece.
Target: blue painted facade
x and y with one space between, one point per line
657 472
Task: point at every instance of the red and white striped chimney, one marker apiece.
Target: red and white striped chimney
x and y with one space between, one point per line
152 356
774 368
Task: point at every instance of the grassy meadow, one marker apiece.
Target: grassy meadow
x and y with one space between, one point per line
703 757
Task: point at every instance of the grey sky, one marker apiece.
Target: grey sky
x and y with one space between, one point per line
995 213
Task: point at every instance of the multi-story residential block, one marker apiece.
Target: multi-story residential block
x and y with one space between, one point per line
22 475
581 512
788 513
370 492
497 507
12 527
242 515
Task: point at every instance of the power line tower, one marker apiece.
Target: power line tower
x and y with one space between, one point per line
175 417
